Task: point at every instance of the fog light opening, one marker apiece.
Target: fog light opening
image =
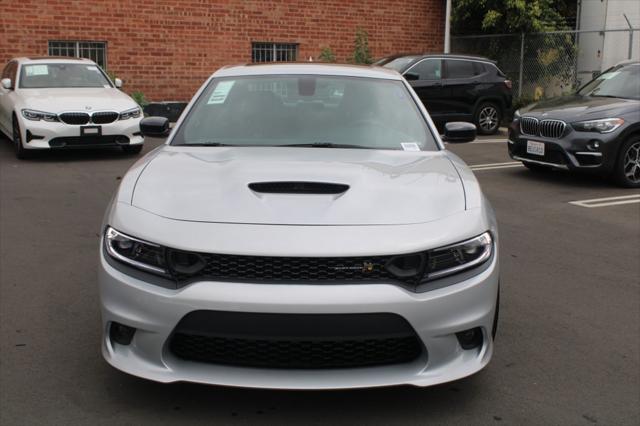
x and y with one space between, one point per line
120 333
471 338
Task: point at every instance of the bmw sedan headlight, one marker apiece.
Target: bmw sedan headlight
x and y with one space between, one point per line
134 252
604 125
33 115
458 257
516 114
130 113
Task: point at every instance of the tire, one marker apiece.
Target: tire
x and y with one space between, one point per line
487 118
627 168
21 152
133 149
538 168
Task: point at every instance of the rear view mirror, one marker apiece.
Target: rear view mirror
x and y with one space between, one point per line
7 84
409 76
459 132
118 83
155 127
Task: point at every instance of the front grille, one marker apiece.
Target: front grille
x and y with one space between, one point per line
295 341
104 117
293 269
529 126
552 128
74 117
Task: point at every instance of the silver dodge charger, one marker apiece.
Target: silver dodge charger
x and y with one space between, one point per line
303 227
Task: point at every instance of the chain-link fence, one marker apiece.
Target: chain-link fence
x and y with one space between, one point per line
543 65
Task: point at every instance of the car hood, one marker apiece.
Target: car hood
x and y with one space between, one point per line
385 187
77 99
576 107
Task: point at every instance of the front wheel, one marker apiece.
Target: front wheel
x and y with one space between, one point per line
132 149
627 170
488 118
21 152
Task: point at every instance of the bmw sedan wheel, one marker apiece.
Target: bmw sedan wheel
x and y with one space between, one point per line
21 152
628 167
488 119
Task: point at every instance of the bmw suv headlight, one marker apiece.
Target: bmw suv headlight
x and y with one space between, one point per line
137 253
604 125
458 257
33 115
130 113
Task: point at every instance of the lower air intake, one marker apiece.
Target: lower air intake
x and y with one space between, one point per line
295 341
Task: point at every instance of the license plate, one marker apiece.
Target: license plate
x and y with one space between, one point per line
90 131
535 148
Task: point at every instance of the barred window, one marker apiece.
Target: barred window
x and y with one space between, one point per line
274 52
94 50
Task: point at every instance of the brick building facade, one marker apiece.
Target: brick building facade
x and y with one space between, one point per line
166 48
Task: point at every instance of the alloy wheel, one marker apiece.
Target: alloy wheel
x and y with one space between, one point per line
488 118
632 163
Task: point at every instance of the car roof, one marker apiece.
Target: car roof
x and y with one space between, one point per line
310 68
57 59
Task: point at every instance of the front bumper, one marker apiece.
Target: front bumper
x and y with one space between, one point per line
570 152
57 135
435 316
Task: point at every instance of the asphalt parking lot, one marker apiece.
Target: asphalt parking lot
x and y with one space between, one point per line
568 345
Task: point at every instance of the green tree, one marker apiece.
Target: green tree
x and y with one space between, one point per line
327 55
470 17
361 53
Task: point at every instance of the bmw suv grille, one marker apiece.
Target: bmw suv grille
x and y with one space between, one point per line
547 128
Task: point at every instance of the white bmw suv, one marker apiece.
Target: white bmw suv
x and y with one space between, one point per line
53 102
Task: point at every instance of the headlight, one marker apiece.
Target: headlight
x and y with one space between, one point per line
458 257
34 115
604 125
130 113
516 114
138 253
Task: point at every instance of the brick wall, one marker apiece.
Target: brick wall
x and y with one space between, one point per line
167 48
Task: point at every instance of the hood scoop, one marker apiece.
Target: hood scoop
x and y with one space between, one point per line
297 187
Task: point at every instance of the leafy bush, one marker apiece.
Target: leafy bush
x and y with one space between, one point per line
361 53
140 99
327 55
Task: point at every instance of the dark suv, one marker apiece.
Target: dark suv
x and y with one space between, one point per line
457 88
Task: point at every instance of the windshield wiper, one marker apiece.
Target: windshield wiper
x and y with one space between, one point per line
324 145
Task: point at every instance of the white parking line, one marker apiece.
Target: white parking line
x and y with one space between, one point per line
493 166
608 201
481 141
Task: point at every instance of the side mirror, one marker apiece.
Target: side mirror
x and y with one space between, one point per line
155 127
411 76
459 132
118 83
7 84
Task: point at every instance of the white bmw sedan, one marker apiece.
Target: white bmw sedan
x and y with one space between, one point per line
53 103
303 227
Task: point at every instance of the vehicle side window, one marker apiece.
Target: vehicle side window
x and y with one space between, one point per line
479 68
428 69
460 69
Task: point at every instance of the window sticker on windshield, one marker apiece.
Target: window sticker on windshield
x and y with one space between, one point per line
410 146
37 70
221 92
93 68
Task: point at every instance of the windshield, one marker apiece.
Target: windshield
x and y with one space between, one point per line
399 64
317 111
38 76
618 82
